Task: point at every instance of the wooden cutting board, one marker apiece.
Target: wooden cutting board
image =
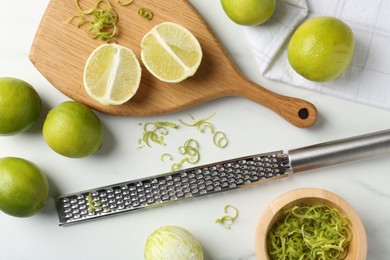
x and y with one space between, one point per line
60 50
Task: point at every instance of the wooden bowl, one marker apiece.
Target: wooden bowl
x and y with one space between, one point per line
357 249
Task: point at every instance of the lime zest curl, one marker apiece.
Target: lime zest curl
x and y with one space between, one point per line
166 155
145 13
101 18
235 210
190 150
309 232
228 220
155 132
219 138
177 166
125 3
201 124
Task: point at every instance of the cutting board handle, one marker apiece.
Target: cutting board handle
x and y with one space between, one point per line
297 111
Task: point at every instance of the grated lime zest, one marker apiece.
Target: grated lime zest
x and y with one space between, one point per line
145 13
101 18
309 232
228 220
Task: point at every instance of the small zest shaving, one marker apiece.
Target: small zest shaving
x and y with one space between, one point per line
309 232
201 124
102 20
145 13
155 132
190 150
93 205
228 220
219 138
166 155
125 3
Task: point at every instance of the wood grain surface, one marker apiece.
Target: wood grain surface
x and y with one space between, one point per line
60 50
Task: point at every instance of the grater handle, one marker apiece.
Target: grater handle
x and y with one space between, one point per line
340 151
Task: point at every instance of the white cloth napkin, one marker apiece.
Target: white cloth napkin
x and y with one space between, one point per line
367 79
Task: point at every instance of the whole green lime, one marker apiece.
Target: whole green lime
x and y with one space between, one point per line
72 129
23 187
20 105
321 48
249 12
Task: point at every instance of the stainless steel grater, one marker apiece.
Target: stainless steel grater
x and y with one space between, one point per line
213 178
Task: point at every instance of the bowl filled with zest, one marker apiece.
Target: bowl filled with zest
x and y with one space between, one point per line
310 223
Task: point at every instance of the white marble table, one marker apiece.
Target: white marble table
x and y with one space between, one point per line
250 127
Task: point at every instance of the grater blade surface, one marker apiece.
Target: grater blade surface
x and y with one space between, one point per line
170 187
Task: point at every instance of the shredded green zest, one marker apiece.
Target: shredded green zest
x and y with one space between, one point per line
101 18
228 220
166 155
201 124
145 13
309 232
190 150
155 132
93 205
219 138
